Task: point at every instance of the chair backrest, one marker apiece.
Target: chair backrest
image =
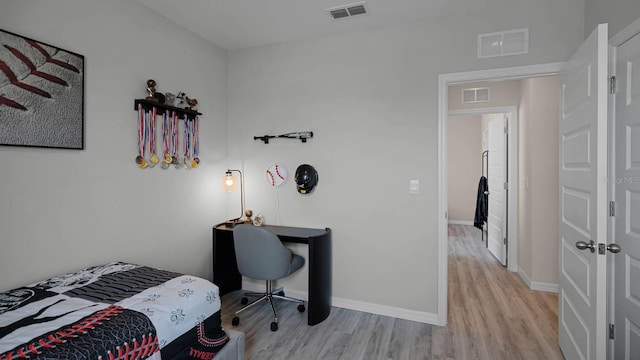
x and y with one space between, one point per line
260 254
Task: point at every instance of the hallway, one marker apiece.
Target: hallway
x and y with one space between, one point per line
492 313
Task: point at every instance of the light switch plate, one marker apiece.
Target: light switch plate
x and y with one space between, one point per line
414 186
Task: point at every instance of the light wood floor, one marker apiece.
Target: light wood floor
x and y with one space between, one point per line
492 315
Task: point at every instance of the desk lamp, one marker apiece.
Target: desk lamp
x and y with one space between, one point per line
229 184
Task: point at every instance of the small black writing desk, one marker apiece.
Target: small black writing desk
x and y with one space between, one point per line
227 277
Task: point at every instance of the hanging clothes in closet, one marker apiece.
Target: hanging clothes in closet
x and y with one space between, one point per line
482 199
482 203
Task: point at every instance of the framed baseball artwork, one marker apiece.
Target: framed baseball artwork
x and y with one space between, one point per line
41 94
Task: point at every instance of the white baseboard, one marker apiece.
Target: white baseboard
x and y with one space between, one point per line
461 222
536 285
400 313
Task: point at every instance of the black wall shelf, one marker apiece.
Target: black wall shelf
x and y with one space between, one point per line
148 105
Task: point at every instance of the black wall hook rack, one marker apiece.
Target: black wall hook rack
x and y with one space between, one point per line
302 135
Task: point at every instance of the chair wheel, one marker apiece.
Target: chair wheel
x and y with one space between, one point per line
301 308
235 321
244 301
274 326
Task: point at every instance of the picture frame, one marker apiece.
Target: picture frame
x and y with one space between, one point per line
41 94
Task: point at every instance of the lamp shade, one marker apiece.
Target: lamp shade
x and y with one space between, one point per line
229 183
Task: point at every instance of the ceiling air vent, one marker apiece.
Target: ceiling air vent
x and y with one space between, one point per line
503 43
347 11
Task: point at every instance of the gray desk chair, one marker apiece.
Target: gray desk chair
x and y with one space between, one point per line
261 255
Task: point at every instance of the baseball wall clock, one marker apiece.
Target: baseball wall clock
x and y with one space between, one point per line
41 94
276 175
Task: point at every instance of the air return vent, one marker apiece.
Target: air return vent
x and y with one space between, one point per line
347 11
504 43
475 95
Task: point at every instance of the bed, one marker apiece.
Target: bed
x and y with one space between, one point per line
116 311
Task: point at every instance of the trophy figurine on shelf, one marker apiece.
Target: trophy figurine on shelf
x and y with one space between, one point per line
169 99
193 103
151 90
181 96
152 94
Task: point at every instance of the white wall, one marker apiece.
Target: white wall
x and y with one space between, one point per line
61 210
369 96
618 13
371 99
538 226
465 166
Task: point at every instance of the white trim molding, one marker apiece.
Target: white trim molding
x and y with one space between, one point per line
536 285
400 313
461 222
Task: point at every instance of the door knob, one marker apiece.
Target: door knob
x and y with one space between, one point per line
583 245
614 248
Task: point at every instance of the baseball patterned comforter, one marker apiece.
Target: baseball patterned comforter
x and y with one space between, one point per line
113 311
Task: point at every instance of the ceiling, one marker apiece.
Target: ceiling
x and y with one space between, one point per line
240 24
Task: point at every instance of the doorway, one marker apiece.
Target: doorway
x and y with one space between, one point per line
475 136
445 81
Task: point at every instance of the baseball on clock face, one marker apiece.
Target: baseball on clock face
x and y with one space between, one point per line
276 175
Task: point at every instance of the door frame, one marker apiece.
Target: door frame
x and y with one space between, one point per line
444 80
614 42
512 174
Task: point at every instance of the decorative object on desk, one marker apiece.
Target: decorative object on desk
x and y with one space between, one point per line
302 135
258 220
306 178
229 184
151 90
248 214
41 94
276 175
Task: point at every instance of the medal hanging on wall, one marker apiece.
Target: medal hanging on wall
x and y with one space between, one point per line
196 142
153 159
142 133
174 141
187 142
166 152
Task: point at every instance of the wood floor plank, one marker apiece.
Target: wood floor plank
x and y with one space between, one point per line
493 315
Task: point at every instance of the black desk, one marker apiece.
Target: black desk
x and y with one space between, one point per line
227 277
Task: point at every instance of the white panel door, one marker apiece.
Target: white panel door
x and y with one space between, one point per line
583 201
627 189
496 221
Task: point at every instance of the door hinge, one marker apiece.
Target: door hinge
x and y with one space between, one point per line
612 208
506 130
505 241
612 331
612 85
506 186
